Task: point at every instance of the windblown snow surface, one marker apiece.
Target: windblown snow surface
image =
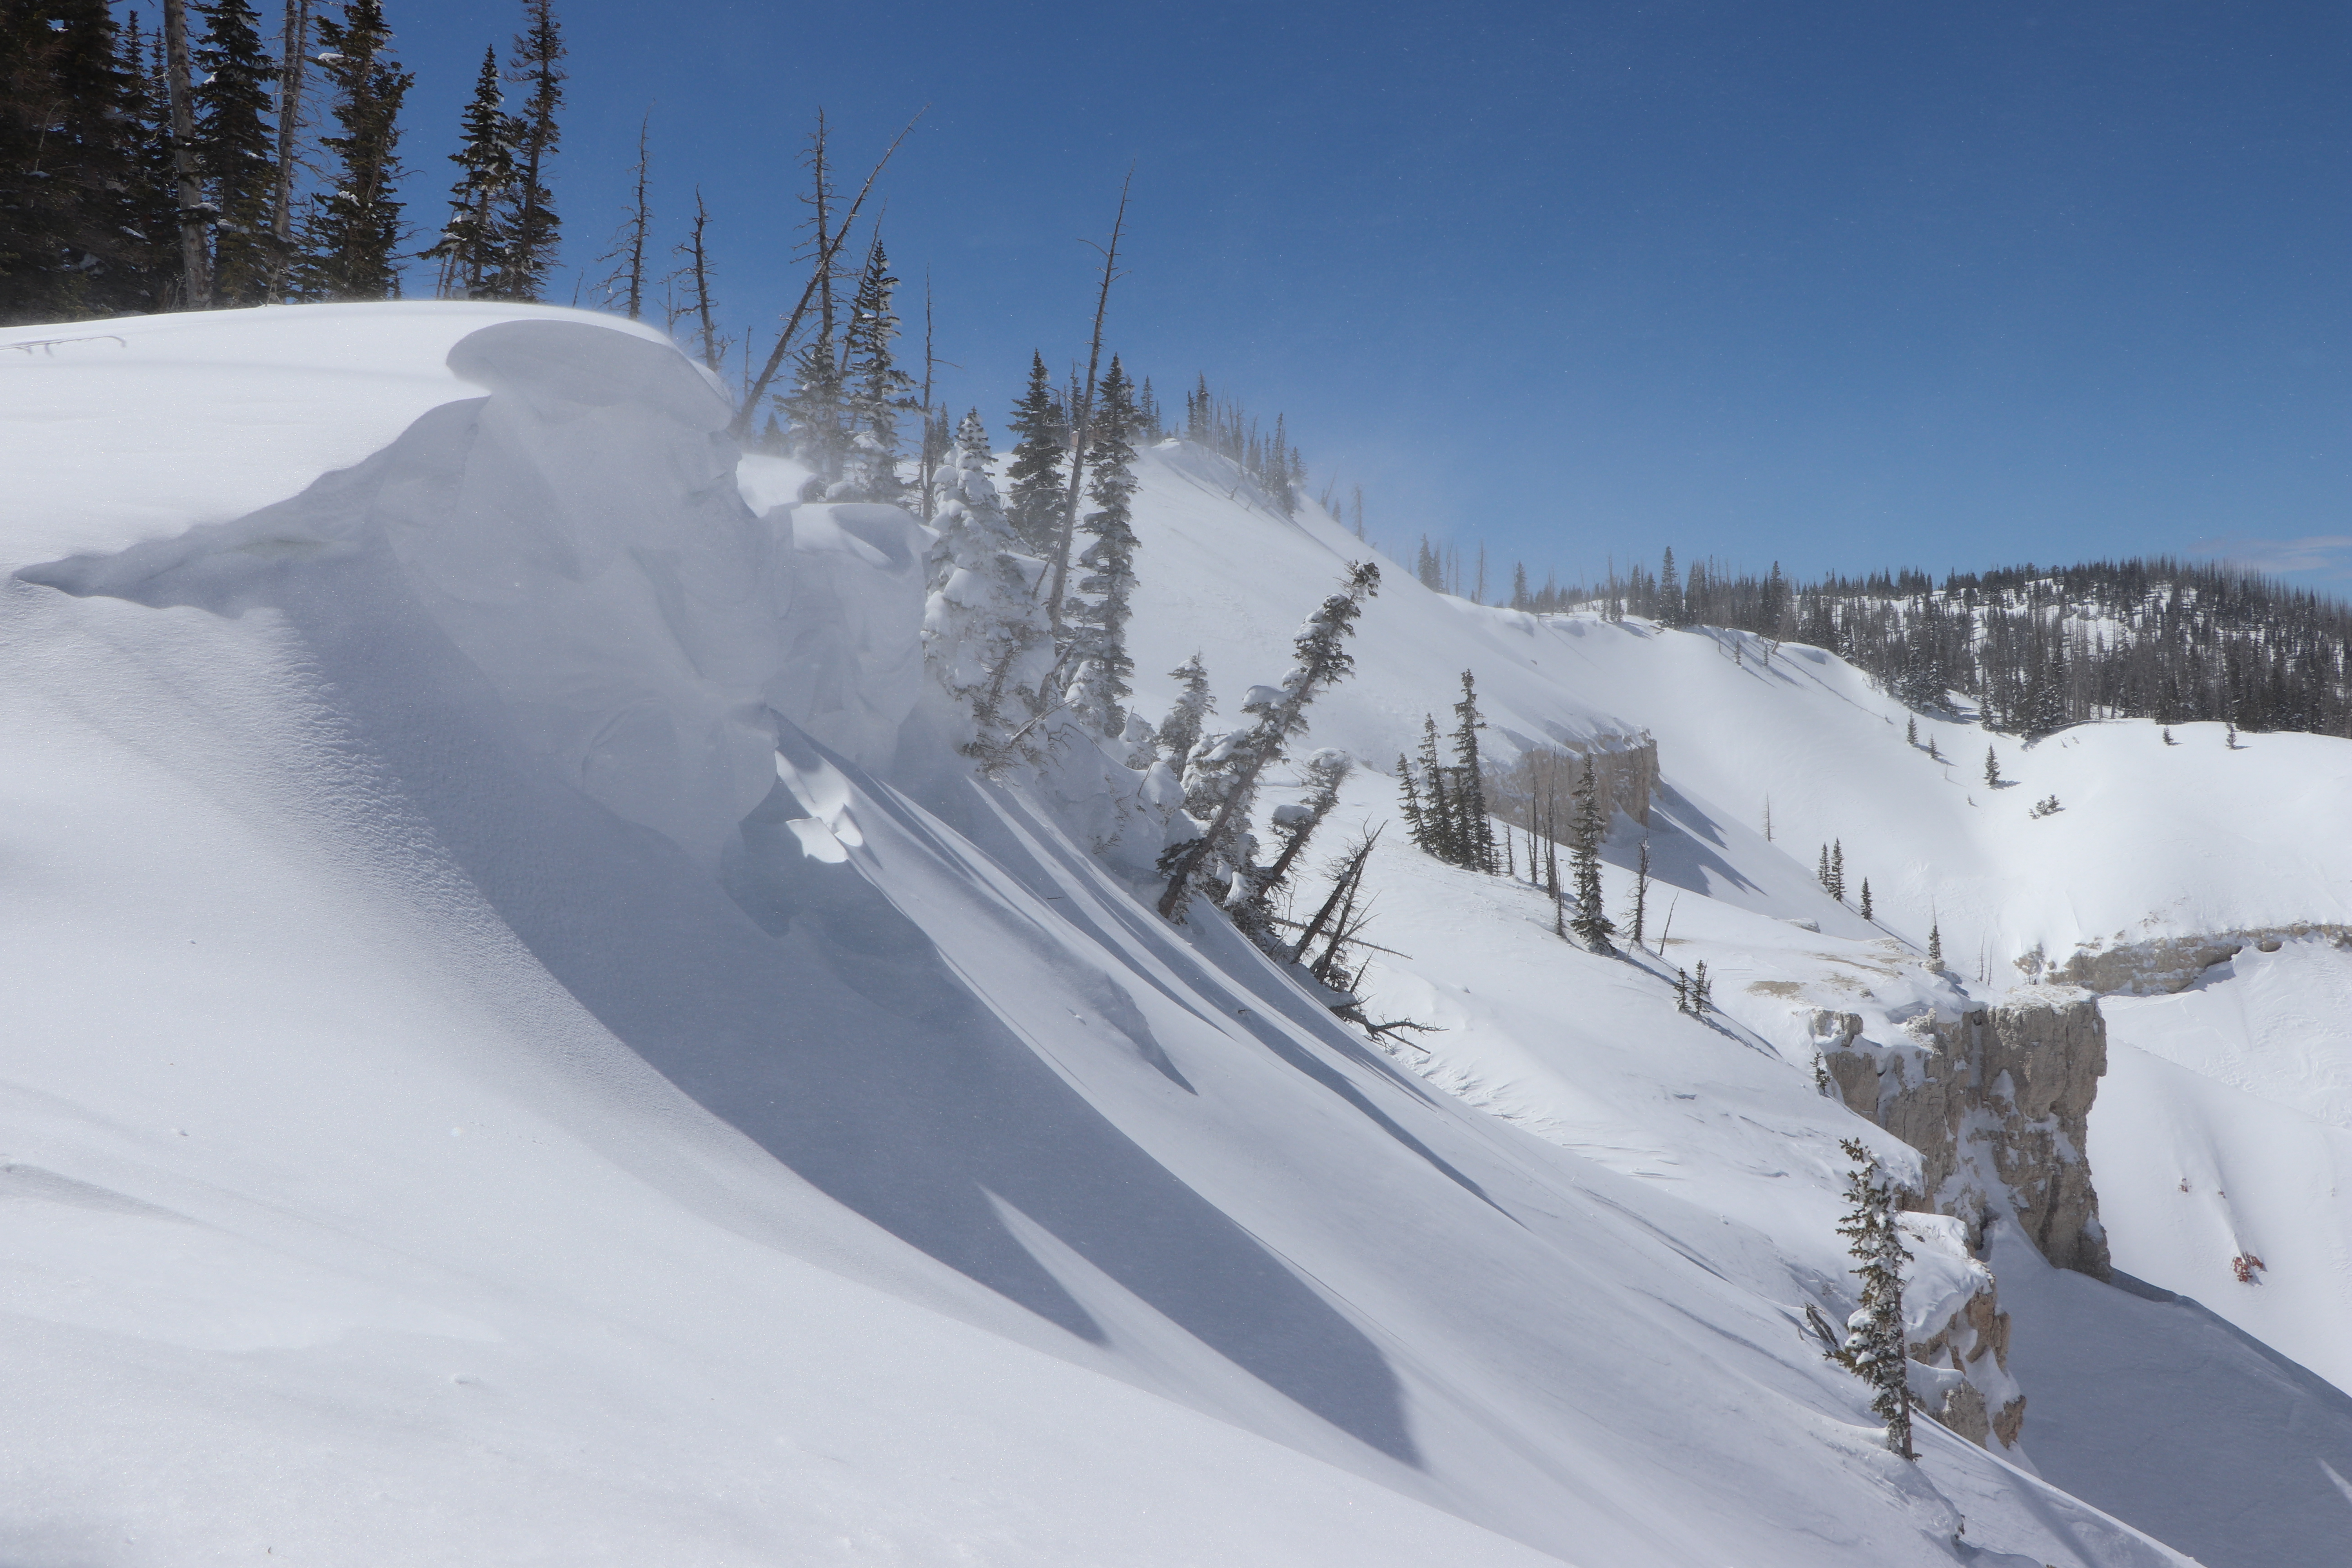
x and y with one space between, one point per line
522 1046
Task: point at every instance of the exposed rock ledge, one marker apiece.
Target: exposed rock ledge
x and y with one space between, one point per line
1997 1101
2165 964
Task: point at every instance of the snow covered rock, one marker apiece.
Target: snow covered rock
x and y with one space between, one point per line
1997 1102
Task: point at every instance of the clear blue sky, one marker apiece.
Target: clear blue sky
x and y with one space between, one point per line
1847 285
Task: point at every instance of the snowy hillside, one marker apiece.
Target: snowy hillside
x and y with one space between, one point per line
520 1053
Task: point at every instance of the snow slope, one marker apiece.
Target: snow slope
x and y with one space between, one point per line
2228 1108
457 1110
2153 842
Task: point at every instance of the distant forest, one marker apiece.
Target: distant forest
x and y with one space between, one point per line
2034 648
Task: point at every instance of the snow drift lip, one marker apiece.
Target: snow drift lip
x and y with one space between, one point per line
549 618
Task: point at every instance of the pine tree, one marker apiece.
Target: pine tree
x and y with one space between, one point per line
1252 907
1474 847
1439 834
1181 730
73 240
1041 426
353 230
1099 684
1591 923
1823 874
1911 731
1670 595
237 147
816 414
472 247
1702 991
1281 712
877 388
1934 947
1837 870
148 276
1876 1347
530 227
982 625
1416 817
1992 768
1865 899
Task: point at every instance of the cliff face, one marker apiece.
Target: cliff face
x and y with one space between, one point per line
1997 1103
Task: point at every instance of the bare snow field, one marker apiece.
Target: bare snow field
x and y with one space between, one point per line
524 1046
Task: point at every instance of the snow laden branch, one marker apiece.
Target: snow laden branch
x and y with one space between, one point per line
1280 713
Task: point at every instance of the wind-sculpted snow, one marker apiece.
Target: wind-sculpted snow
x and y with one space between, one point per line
520 1052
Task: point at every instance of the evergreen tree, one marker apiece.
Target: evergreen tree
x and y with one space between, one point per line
1416 817
1837 870
1934 947
473 242
1474 846
237 148
1702 992
354 229
1992 768
1440 830
1823 873
816 412
1181 730
147 277
1098 684
982 626
1670 595
531 227
1041 427
1876 1348
1252 905
1911 731
1321 648
876 389
1865 899
1592 925
74 241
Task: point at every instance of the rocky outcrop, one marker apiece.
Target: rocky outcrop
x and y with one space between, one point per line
1958 1335
1997 1102
2165 964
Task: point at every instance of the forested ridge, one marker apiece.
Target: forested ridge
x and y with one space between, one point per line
2032 647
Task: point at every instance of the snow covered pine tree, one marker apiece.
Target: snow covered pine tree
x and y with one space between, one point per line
1875 1349
1321 645
986 637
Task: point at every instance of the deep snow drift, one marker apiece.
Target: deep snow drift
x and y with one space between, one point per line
525 1050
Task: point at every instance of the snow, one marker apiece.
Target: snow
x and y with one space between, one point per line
2224 1131
523 1050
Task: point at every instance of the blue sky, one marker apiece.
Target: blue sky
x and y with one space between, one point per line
1845 285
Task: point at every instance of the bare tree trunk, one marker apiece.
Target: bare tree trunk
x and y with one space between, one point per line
824 269
639 220
713 351
293 54
1082 419
196 261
